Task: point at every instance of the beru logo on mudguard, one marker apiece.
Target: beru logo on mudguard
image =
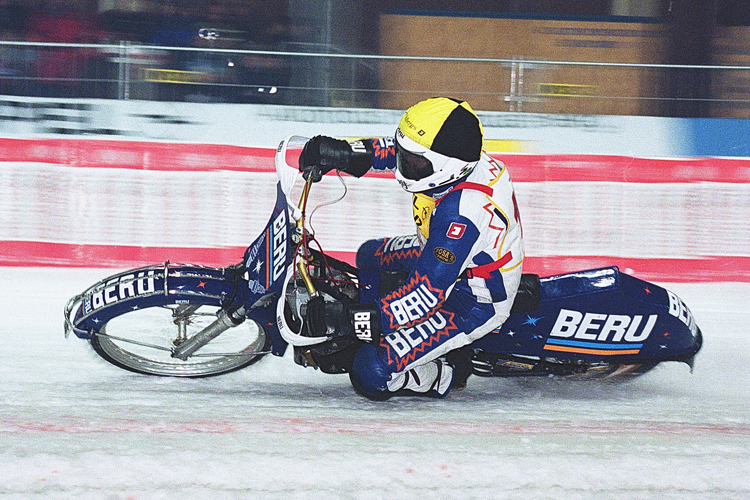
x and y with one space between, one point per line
120 288
602 327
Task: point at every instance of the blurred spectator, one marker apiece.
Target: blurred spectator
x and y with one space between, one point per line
13 60
175 27
55 71
13 16
59 70
130 25
218 71
266 77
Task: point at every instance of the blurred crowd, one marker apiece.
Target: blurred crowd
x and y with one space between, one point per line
161 22
90 72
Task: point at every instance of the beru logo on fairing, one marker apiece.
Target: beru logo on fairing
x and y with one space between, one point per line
119 288
599 334
679 310
279 246
602 327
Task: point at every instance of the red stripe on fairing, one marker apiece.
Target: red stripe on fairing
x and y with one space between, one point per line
40 254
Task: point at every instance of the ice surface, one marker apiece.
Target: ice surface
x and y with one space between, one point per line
72 426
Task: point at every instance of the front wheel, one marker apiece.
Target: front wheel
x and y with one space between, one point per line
142 341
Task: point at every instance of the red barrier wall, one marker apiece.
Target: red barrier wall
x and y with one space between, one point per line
178 157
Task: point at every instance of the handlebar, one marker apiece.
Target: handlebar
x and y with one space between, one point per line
300 227
287 161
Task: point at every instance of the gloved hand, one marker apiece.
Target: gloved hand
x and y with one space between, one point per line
335 319
321 154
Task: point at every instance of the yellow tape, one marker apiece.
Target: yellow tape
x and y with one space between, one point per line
565 89
174 76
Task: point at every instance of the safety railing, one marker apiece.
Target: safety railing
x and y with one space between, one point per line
320 76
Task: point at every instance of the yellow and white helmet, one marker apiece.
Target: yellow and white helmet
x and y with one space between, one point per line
438 141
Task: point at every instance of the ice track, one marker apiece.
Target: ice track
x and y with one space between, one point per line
72 426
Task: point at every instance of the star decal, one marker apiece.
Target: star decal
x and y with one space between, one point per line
258 266
201 284
530 321
134 308
511 333
647 290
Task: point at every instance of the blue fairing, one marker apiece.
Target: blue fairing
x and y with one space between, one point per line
266 261
599 314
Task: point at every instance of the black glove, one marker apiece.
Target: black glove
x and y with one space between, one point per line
322 154
335 319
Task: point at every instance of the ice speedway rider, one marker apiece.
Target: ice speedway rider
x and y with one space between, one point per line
448 285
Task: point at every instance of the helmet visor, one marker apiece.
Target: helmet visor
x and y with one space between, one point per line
411 165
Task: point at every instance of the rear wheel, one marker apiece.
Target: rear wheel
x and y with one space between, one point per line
142 341
487 364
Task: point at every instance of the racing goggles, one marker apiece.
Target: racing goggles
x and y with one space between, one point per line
414 161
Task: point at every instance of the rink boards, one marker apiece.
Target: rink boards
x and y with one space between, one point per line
120 203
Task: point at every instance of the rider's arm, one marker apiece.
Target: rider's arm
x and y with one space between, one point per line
384 153
322 154
445 255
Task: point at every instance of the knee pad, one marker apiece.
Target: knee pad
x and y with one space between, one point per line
369 375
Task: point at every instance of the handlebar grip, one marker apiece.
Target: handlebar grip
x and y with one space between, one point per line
313 172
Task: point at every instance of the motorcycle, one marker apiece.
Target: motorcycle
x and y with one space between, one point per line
184 320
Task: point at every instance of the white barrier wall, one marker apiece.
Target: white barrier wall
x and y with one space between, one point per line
94 201
265 125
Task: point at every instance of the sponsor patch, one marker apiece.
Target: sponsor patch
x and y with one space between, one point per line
456 230
444 255
408 344
398 248
411 303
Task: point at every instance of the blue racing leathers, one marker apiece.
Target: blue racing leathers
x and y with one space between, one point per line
462 270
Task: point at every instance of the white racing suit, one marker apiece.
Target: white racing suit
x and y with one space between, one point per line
464 268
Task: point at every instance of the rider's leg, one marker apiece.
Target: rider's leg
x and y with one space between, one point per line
385 263
413 360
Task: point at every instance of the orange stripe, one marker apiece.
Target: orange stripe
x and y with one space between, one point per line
590 351
269 257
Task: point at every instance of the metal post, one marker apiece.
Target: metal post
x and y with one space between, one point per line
123 71
512 97
520 86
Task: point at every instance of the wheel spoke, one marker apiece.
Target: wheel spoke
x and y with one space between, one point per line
143 340
131 341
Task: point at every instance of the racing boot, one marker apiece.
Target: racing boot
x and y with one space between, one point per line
430 379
